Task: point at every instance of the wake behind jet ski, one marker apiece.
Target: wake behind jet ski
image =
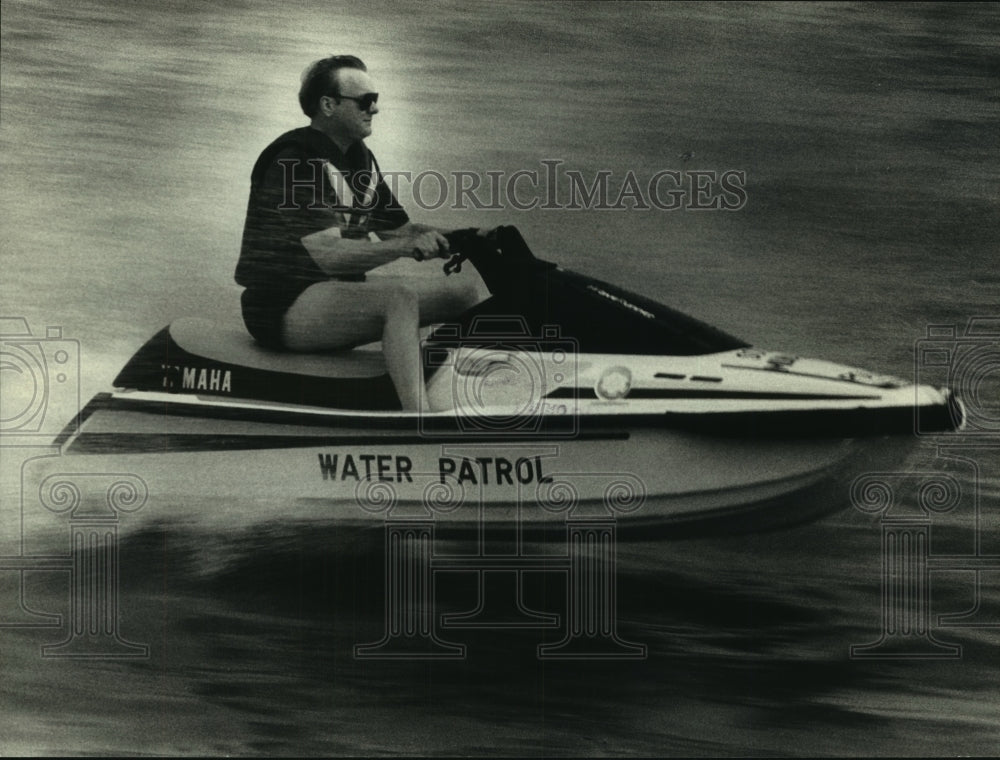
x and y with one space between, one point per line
556 392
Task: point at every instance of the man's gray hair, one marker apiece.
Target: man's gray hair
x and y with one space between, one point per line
318 80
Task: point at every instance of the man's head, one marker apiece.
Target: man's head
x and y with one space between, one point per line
333 95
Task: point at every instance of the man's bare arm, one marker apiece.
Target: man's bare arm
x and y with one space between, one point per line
410 228
336 255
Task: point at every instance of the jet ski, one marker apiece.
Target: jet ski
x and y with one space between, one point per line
560 397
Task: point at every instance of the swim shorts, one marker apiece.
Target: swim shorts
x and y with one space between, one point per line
264 314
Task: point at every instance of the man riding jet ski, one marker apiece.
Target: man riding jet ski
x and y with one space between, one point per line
319 217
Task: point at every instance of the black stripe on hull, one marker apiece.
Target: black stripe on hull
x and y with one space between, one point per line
409 430
347 420
668 393
146 443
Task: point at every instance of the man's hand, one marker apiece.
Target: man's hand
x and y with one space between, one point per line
428 245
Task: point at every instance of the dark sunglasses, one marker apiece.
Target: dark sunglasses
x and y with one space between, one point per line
365 102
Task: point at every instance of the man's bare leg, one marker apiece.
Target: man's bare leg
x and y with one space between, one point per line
333 315
441 298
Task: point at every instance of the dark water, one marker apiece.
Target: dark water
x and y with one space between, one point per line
869 141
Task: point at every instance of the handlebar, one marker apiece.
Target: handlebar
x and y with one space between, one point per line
459 243
501 256
457 240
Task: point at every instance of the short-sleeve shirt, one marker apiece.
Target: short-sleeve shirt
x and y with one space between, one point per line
303 183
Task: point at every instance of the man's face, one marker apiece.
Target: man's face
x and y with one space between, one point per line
346 117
